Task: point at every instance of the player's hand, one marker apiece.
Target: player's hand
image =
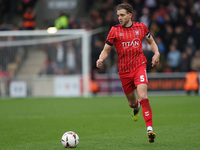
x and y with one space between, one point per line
155 59
99 63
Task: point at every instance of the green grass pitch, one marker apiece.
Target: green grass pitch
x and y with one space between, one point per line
102 123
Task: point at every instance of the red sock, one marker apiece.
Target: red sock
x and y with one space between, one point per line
147 112
136 106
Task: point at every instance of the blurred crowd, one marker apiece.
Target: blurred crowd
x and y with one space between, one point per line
14 15
17 14
175 25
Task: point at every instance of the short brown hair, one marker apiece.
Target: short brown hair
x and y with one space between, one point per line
125 6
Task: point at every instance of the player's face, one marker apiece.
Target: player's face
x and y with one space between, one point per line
124 17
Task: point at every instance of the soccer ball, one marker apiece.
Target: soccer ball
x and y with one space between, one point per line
70 139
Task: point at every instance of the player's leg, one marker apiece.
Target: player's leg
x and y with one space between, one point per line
133 103
130 92
141 81
146 110
131 97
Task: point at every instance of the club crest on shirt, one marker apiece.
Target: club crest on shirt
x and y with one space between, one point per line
137 32
121 34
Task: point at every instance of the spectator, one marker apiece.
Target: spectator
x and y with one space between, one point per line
193 14
181 16
160 44
96 18
190 44
138 4
145 17
73 23
159 14
29 19
62 21
196 34
84 24
151 4
154 28
184 63
197 7
48 68
195 62
172 10
189 53
60 57
168 35
70 58
173 58
181 37
189 22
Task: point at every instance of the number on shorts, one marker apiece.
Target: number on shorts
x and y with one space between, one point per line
142 78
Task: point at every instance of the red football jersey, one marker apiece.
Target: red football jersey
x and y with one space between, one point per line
128 43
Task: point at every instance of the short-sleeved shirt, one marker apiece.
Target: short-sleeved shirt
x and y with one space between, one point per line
128 43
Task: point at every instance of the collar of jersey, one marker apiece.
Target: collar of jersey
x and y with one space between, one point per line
128 27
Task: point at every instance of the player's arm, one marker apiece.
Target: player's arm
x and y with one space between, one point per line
154 48
103 55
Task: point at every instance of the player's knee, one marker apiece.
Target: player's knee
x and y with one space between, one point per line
142 96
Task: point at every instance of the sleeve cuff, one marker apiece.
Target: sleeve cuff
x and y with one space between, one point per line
148 35
107 42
